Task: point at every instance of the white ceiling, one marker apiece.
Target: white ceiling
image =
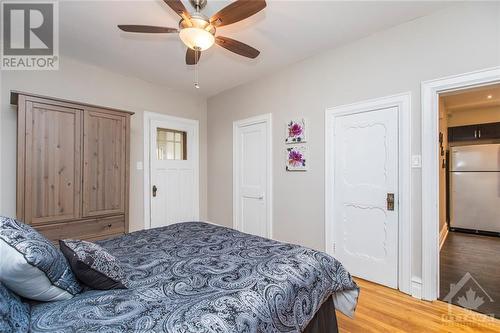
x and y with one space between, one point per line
285 32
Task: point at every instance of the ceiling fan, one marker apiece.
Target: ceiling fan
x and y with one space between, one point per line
197 31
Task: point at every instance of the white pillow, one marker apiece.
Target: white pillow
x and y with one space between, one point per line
31 266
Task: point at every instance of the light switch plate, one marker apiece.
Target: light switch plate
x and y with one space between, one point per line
416 161
138 165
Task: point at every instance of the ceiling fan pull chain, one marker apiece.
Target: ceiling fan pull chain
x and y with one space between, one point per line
196 68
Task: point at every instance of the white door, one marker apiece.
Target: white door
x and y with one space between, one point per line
174 172
365 229
252 176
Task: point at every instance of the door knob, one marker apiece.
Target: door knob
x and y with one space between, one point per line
390 201
155 189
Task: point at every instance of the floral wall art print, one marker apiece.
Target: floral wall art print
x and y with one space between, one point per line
296 131
296 158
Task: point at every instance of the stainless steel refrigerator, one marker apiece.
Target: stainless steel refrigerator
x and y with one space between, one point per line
475 187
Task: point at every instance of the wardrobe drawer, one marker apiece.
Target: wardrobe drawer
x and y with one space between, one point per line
85 229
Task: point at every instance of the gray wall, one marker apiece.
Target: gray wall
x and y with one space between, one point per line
81 82
457 40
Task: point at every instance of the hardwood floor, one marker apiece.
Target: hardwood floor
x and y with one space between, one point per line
479 256
381 309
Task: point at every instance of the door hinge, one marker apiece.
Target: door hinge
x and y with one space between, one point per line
334 247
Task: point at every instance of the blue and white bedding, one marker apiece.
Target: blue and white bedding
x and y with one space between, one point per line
197 277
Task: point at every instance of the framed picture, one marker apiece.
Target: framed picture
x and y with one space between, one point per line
296 158
296 131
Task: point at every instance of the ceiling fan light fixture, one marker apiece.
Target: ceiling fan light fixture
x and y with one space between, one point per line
197 33
197 38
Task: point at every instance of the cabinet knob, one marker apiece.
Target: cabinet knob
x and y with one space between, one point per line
109 225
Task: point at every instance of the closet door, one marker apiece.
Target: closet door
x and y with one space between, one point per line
53 163
104 165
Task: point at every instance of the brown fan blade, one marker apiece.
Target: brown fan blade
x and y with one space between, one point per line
237 47
179 8
192 56
147 29
237 11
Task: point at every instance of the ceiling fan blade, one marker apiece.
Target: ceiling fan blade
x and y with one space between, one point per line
237 47
179 8
146 29
237 11
192 56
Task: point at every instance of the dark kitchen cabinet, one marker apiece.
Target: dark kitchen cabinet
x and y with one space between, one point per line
462 133
489 131
474 132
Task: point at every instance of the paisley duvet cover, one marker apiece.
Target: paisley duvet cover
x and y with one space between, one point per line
198 277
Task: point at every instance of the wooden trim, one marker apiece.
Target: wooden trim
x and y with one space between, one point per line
430 91
109 113
403 103
21 157
15 94
442 235
127 174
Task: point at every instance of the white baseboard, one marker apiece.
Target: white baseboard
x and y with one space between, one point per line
217 224
442 235
416 287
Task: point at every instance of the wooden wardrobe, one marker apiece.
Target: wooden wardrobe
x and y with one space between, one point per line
72 167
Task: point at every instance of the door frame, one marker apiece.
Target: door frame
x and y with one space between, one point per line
406 283
171 122
267 119
430 91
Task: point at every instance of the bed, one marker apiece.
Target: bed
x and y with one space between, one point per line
199 277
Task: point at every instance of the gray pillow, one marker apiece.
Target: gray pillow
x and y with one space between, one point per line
32 266
14 314
93 265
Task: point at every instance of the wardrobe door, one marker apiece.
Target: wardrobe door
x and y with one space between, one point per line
53 163
104 166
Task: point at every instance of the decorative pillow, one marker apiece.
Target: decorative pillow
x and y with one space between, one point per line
93 265
14 314
31 266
